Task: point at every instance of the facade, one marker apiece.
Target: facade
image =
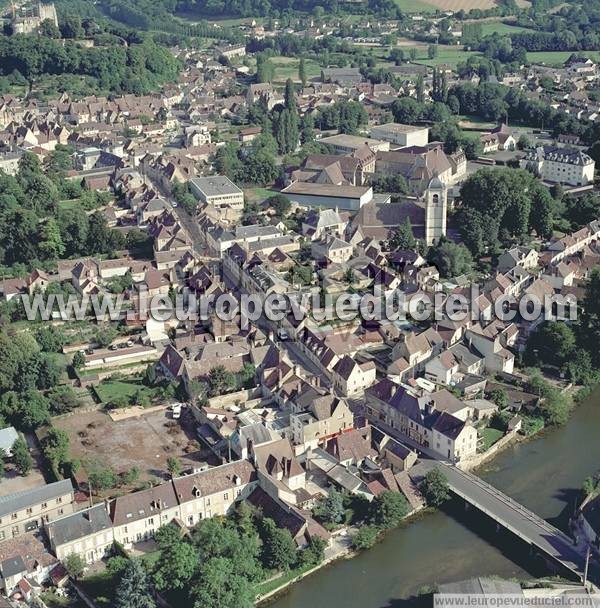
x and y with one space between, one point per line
87 533
218 191
401 135
28 510
560 165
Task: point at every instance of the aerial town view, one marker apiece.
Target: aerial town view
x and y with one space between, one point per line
299 304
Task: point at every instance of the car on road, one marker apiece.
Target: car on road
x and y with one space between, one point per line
174 203
282 334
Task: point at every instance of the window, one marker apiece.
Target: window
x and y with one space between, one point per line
29 510
59 500
14 515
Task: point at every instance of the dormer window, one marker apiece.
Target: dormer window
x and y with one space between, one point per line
196 492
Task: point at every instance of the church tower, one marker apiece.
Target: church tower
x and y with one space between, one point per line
436 206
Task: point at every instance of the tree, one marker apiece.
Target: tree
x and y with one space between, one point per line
50 338
105 335
388 509
74 565
220 381
551 343
407 110
219 585
55 447
70 26
315 552
178 559
102 478
33 410
78 360
403 237
21 456
432 51
173 466
524 143
280 203
499 397
365 537
48 29
330 509
302 71
434 487
451 259
279 550
134 589
62 399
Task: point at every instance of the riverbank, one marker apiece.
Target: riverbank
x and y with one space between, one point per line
544 472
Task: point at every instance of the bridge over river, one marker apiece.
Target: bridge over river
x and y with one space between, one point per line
510 514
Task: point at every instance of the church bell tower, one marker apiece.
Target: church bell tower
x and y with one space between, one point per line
436 207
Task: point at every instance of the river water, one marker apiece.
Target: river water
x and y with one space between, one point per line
544 474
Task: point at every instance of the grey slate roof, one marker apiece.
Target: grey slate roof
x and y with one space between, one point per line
79 525
13 566
21 500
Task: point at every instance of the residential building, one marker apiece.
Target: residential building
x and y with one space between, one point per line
87 533
561 165
30 509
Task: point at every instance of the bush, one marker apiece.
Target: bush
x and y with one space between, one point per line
365 538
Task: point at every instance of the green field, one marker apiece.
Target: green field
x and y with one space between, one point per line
287 67
414 6
491 27
448 55
112 389
490 437
557 58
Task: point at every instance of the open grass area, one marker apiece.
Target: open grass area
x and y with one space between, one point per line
112 389
490 436
270 585
258 195
492 27
557 58
414 6
451 56
101 588
287 67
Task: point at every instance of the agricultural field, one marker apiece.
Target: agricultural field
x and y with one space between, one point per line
415 6
557 58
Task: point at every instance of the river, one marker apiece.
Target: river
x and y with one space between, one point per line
544 474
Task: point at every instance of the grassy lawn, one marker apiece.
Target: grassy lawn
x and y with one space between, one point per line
100 588
258 194
68 205
287 67
54 601
285 577
491 27
490 436
414 6
110 390
451 56
557 58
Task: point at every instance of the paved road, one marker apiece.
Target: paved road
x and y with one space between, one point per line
510 514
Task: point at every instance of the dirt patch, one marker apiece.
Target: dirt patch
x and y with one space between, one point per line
145 441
